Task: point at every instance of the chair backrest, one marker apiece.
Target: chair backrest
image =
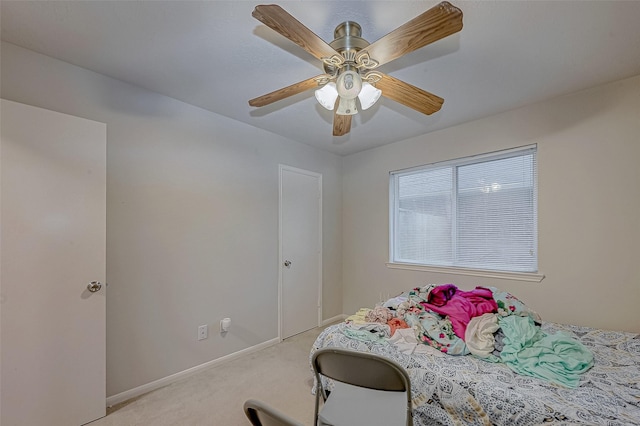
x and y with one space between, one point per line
261 414
362 369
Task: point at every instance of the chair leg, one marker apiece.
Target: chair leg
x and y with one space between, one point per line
317 409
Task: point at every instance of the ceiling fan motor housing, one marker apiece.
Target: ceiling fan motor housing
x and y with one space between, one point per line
347 42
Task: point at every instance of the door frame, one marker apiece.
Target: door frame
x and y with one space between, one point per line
281 169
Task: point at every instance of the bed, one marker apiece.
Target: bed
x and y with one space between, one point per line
466 389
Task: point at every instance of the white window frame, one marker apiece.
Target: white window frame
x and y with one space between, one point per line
457 270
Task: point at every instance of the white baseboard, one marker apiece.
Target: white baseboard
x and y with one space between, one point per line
156 384
337 318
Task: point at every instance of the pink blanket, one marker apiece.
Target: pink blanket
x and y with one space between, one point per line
460 306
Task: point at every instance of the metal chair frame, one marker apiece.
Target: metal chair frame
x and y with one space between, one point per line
362 369
262 414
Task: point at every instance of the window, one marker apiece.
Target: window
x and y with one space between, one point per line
478 213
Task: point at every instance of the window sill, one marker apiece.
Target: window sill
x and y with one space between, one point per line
517 276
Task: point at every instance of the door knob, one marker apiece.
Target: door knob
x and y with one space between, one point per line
94 286
287 263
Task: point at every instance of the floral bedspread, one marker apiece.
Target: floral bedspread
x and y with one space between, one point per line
467 390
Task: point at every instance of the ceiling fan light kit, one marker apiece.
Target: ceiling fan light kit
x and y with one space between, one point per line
348 84
369 95
349 62
347 107
327 95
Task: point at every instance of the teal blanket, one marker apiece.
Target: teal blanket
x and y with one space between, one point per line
557 358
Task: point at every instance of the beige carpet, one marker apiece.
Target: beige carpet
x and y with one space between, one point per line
279 375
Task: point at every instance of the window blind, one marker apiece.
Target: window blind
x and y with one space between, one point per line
476 212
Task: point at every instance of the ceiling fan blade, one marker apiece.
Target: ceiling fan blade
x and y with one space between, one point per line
285 92
281 21
341 123
406 94
436 23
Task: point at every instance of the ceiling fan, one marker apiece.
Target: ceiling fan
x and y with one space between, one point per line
350 62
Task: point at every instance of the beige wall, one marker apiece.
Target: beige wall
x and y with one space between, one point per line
192 219
589 206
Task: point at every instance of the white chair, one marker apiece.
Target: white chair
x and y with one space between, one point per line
261 414
369 389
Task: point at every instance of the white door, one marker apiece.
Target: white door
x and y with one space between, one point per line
53 232
300 250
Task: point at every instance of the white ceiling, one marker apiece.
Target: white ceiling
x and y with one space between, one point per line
214 55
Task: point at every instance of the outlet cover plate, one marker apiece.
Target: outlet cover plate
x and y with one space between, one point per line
203 332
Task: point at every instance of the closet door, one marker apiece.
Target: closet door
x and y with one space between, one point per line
53 232
300 250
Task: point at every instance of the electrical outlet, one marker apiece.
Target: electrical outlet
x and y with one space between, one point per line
203 332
